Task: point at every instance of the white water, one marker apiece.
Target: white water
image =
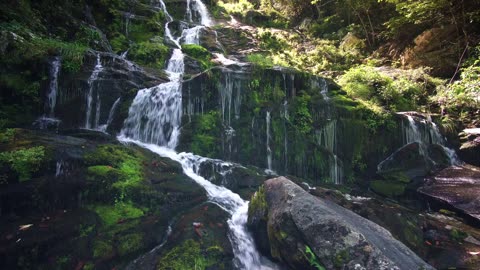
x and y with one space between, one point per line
53 87
154 121
269 151
327 137
110 116
431 135
96 71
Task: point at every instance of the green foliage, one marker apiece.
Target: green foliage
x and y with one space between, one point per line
7 135
199 53
273 42
260 60
237 7
312 259
130 243
187 256
462 95
24 161
150 53
111 215
102 249
372 86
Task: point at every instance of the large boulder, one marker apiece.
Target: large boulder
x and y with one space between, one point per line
306 232
457 187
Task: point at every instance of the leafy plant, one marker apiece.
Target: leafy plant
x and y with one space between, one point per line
24 161
312 258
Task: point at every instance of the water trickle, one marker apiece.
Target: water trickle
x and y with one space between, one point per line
53 86
327 138
269 151
226 91
110 116
60 168
96 71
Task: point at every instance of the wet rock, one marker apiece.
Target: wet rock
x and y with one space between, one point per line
117 79
458 188
304 231
470 149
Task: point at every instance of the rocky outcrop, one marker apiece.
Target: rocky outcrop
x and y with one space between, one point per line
457 188
306 232
470 149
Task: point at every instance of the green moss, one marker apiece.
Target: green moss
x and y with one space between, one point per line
341 258
119 165
388 188
130 243
205 140
111 215
24 162
186 256
150 53
102 249
199 53
100 170
258 203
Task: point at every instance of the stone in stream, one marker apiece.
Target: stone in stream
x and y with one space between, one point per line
470 149
457 187
306 232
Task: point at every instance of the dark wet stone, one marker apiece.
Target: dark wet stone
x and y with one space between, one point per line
456 187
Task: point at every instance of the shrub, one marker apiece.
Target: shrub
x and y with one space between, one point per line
24 161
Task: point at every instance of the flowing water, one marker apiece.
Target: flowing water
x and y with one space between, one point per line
91 86
110 116
426 132
53 87
154 121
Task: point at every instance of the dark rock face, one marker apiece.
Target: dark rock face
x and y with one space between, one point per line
305 231
117 79
456 187
470 149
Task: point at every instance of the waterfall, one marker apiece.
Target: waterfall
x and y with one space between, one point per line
110 116
53 86
154 121
226 92
96 71
426 132
192 35
327 138
269 151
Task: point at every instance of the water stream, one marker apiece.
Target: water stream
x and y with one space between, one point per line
154 121
91 86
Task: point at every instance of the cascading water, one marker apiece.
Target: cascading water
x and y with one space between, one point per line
269 151
426 132
154 123
53 87
110 116
96 71
327 137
